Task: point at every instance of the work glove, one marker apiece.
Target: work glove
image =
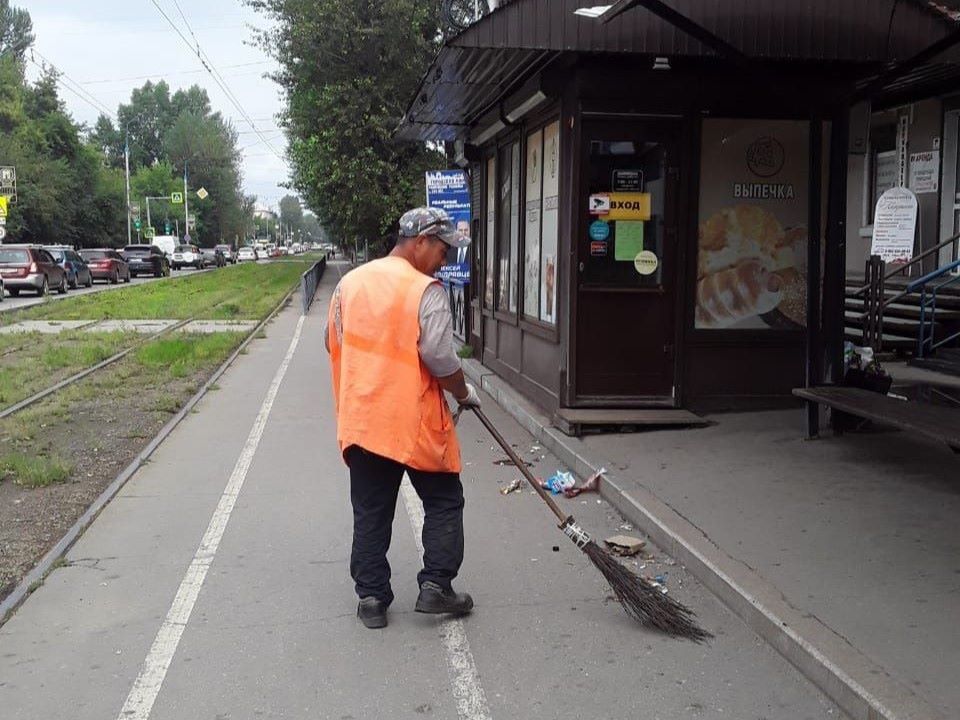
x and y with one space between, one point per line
471 400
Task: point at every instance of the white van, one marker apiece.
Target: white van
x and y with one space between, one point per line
166 243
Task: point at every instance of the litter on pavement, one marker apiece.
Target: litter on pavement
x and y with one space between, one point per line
559 481
517 484
591 484
625 545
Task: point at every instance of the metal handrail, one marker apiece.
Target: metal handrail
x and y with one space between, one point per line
922 340
933 275
900 268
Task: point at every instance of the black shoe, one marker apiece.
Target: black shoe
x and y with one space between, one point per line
438 600
372 612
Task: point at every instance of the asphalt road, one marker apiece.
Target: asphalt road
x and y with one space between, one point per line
28 299
216 585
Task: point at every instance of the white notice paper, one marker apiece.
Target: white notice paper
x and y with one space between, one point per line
925 171
895 225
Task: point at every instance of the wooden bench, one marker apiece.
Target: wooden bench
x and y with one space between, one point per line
933 421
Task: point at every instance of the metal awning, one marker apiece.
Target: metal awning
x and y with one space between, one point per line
494 56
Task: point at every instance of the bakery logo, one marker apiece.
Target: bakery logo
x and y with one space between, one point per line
765 156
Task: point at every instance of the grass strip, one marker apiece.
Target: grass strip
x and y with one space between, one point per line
242 292
34 471
30 362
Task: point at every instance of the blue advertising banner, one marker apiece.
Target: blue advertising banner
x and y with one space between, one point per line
449 190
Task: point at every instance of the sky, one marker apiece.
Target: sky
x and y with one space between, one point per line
110 47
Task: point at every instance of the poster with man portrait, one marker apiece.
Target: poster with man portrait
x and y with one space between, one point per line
449 190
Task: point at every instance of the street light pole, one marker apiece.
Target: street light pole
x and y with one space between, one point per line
126 165
186 201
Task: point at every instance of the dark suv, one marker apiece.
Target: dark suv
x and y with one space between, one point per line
213 256
146 260
30 267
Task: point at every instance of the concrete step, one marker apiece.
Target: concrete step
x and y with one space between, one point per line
890 342
903 310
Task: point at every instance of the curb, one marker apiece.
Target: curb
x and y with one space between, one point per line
39 571
861 688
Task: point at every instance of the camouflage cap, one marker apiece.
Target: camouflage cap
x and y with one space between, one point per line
431 221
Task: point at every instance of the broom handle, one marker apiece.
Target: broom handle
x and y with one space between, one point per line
521 466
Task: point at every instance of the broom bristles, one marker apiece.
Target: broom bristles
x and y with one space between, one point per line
643 601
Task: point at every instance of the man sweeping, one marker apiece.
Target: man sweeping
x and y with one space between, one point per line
390 338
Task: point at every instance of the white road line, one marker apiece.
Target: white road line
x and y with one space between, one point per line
145 689
467 690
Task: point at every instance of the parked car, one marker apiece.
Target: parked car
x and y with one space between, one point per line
30 267
187 255
229 254
246 254
146 260
78 272
212 257
107 264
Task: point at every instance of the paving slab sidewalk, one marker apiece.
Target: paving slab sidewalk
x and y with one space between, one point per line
273 631
854 537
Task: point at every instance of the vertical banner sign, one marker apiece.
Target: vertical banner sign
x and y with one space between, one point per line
449 191
752 246
549 278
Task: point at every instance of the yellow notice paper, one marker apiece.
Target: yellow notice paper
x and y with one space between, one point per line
628 240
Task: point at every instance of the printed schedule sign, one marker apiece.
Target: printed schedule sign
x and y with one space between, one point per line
895 225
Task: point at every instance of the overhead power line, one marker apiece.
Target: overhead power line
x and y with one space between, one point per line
214 73
162 75
68 83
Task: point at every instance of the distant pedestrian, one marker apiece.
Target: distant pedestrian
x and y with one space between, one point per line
390 338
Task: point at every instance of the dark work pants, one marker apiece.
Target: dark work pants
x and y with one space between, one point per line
374 485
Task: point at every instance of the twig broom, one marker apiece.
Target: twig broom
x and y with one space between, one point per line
641 600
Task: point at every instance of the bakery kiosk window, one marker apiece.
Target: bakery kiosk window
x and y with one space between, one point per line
752 240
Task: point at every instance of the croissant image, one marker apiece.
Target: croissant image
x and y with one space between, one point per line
745 290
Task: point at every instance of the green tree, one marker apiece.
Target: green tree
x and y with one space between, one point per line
16 31
312 232
146 119
347 71
291 214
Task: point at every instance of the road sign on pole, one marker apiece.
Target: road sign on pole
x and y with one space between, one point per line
8 182
149 232
202 193
176 198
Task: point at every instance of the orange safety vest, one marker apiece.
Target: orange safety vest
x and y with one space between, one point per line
386 399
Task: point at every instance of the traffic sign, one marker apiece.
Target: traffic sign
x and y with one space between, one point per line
8 182
176 198
3 232
135 209
3 206
149 232
202 193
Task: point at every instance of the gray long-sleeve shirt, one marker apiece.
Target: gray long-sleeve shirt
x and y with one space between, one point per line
436 331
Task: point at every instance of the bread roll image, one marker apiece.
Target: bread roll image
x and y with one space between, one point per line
728 296
747 259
